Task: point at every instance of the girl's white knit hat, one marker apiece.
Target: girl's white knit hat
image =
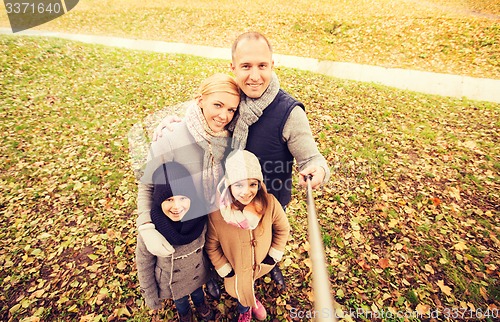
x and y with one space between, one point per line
242 165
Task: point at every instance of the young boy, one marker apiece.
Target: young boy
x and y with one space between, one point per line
179 215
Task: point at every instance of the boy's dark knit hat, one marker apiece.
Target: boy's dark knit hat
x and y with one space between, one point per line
172 179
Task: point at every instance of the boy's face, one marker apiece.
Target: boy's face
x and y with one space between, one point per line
176 207
252 66
245 190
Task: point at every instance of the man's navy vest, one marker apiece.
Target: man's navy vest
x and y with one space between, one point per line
265 140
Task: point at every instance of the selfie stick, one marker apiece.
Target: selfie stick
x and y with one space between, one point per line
323 301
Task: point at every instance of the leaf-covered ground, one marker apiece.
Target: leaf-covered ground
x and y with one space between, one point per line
450 36
410 218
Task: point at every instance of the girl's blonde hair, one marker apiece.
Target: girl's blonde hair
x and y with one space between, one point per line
218 83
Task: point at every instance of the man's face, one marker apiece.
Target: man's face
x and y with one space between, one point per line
252 66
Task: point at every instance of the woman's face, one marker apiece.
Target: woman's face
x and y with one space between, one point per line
245 190
176 207
218 109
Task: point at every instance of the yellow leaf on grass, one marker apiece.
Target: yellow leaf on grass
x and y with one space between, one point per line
122 311
87 318
393 223
44 236
121 266
460 246
455 193
78 185
31 319
37 294
355 225
93 256
484 293
308 263
15 308
422 309
429 268
470 144
445 289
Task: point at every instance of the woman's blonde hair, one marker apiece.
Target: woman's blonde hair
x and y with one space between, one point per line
218 83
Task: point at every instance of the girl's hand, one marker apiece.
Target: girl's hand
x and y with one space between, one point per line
269 260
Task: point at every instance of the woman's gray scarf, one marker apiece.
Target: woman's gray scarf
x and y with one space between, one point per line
214 145
250 109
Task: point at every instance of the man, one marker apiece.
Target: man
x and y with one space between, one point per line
271 124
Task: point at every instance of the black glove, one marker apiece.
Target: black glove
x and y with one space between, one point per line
231 274
269 260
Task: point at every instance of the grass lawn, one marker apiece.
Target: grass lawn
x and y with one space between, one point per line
450 36
410 219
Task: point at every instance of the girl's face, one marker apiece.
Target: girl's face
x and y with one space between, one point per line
218 109
245 190
176 207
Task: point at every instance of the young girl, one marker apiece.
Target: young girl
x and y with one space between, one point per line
247 236
180 217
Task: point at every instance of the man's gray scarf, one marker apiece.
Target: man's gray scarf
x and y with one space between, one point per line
250 109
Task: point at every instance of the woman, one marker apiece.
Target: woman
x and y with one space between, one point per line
199 143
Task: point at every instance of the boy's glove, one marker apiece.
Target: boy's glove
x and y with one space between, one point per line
154 241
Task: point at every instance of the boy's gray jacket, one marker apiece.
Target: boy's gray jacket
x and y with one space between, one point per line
171 277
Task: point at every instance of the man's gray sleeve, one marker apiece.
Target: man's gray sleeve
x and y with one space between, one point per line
298 135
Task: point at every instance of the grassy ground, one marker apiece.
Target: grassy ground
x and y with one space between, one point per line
410 218
453 36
